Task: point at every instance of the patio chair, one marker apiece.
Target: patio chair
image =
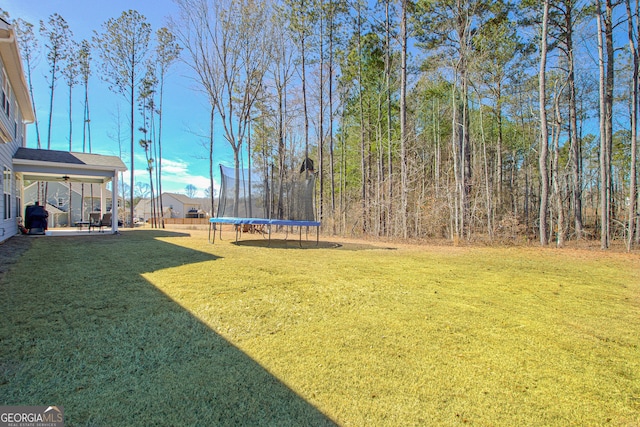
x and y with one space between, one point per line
106 220
96 222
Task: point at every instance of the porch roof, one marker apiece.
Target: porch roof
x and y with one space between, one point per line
52 165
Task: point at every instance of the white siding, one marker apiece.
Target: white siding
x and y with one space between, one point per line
9 227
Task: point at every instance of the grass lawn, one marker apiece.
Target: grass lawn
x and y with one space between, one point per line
163 328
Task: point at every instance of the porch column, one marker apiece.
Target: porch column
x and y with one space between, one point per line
103 199
114 203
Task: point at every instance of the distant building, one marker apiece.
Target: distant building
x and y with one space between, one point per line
175 206
85 198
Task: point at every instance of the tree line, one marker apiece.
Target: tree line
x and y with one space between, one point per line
461 119
457 119
129 62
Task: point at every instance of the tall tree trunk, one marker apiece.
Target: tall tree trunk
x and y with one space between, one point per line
70 213
33 102
604 201
281 156
387 67
487 181
131 130
404 172
466 152
455 153
464 35
499 166
605 28
304 94
544 132
159 148
331 154
54 66
86 129
557 183
363 170
609 99
576 187
321 121
633 47
211 182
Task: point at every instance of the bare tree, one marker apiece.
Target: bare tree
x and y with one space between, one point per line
123 46
229 47
190 191
544 131
300 18
281 73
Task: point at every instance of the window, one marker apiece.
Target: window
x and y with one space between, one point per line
6 94
18 199
6 191
16 110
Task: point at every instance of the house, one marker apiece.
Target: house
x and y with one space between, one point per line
83 197
19 164
174 206
15 112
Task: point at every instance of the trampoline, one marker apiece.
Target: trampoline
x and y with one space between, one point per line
248 198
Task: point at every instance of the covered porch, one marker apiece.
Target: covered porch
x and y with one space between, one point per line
69 167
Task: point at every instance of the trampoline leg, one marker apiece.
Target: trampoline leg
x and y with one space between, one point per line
317 236
269 226
212 236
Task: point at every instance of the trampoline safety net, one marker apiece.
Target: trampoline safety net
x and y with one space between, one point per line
245 194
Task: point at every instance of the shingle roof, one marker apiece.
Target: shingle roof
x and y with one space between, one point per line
65 157
182 198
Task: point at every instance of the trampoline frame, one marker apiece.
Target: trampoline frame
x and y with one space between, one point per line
260 221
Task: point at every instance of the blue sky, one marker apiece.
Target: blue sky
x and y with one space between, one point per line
185 112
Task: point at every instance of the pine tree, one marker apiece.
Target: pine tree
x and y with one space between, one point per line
56 34
167 52
28 48
123 47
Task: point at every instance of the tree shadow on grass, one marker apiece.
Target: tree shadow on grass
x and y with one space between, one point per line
308 244
84 330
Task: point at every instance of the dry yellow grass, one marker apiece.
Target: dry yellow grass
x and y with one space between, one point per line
356 333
